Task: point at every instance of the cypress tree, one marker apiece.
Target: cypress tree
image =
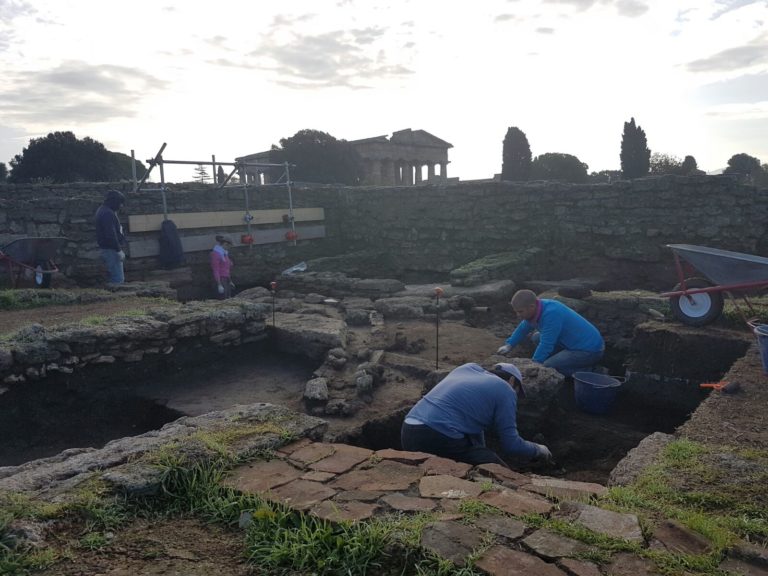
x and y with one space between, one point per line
635 155
516 155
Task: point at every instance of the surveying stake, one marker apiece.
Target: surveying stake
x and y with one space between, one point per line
438 293
273 289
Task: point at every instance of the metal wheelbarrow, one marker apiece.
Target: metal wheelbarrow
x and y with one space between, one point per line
705 274
32 254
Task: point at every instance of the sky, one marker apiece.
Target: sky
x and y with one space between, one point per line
230 78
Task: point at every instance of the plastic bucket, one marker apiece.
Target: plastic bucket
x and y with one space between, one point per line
761 331
595 393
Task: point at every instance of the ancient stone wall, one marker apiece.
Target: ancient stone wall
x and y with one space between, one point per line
614 231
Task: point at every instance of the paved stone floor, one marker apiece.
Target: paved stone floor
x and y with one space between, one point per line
341 482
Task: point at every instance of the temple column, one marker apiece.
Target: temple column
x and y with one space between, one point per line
443 170
408 174
419 166
374 176
431 171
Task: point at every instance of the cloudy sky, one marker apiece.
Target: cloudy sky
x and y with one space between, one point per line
232 77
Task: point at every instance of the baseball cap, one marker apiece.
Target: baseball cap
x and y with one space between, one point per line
510 370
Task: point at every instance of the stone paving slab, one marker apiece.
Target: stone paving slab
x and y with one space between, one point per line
409 503
517 503
742 568
343 458
503 561
300 494
565 489
305 455
552 546
503 475
262 476
289 449
676 538
437 466
626 564
352 511
610 523
315 476
501 526
451 540
402 456
579 568
448 487
387 475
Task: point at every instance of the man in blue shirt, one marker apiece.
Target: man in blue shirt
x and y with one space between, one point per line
451 419
566 341
109 236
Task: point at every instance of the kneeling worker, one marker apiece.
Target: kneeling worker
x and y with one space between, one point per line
567 341
451 419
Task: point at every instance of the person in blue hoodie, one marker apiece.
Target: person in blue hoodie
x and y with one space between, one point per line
451 419
566 341
109 236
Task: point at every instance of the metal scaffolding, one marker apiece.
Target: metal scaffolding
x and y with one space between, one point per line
237 167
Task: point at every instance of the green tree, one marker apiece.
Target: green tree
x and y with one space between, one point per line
3 172
516 155
556 166
761 179
665 164
745 166
62 157
201 174
319 157
690 167
635 155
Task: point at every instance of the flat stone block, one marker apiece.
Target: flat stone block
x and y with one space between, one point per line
551 546
387 475
409 503
300 494
503 474
626 564
610 523
259 477
316 476
402 456
312 453
437 465
289 449
503 561
676 538
517 503
501 525
344 458
579 568
565 489
361 495
451 540
448 487
352 511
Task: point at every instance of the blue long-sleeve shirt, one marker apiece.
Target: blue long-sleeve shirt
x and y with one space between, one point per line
109 232
469 401
560 328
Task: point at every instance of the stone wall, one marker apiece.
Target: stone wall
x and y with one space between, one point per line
615 231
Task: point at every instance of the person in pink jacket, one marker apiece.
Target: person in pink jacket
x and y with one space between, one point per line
221 266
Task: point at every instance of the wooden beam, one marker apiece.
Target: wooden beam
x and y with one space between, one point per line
199 243
151 222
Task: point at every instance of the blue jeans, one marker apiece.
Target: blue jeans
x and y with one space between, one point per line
114 265
569 361
422 438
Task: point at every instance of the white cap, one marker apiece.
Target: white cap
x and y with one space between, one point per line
512 370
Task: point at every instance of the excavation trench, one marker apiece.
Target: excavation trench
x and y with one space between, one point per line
91 408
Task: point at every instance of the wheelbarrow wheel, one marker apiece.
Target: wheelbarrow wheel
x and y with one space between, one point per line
42 278
697 309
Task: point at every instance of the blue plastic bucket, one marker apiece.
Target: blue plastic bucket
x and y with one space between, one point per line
761 331
595 393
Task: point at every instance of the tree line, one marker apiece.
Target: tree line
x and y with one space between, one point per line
319 157
636 161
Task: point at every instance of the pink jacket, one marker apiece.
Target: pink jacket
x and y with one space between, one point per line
220 263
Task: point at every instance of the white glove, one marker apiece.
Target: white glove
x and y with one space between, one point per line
220 288
232 285
504 349
542 453
121 255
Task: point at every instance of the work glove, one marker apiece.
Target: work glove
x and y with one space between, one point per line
542 453
220 288
232 285
504 349
121 255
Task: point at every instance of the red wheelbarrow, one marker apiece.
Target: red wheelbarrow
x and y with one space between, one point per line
35 255
705 274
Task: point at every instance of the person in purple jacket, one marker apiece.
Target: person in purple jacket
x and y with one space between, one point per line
566 341
451 419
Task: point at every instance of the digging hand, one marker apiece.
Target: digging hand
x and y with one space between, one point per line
220 288
121 255
504 350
